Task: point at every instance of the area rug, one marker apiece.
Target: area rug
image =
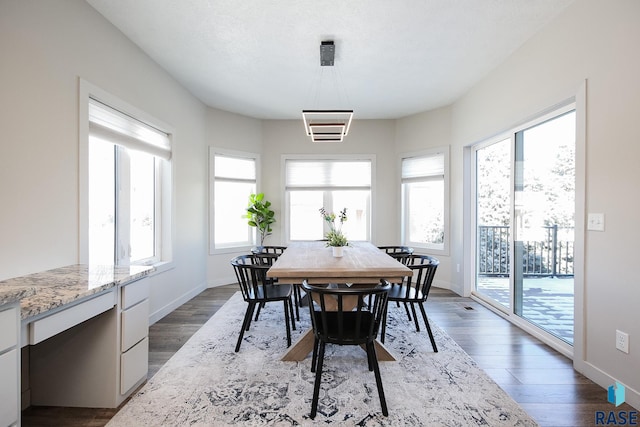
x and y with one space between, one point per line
207 384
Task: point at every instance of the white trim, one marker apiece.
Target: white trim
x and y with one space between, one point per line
171 306
579 297
337 157
577 103
213 151
87 91
432 249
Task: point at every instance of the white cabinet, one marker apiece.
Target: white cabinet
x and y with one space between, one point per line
9 366
134 331
93 353
134 365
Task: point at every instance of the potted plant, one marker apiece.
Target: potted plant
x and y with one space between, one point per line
335 238
260 215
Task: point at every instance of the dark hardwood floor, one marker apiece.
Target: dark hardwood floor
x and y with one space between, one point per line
541 380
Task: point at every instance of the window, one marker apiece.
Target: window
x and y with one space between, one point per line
424 181
234 179
334 184
128 170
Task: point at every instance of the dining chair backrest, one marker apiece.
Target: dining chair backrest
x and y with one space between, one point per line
251 275
424 270
267 255
277 250
347 315
400 253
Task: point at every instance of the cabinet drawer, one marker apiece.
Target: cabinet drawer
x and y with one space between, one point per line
135 324
52 325
9 328
134 365
9 388
134 292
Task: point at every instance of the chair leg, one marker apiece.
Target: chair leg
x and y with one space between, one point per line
383 331
314 358
316 386
426 323
258 312
296 298
286 321
415 318
371 348
245 324
250 318
293 321
369 359
406 308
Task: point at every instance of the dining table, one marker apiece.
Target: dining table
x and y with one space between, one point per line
362 264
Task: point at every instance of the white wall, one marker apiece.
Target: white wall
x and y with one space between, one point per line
45 47
230 132
597 41
365 137
279 137
432 129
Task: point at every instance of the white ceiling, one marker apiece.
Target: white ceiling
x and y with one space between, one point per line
394 58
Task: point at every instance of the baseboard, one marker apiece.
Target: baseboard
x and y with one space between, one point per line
159 314
222 281
25 399
595 374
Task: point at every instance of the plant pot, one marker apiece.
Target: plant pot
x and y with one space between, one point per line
337 251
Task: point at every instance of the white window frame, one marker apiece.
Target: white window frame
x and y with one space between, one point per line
251 231
164 179
285 193
440 249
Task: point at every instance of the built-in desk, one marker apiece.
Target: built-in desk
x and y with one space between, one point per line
10 353
83 332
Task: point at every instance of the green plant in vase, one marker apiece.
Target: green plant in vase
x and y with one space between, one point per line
260 215
334 236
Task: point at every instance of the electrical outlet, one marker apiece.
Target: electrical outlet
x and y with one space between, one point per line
622 341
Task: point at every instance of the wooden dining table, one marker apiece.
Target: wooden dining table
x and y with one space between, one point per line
362 263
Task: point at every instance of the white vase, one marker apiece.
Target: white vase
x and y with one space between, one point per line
337 251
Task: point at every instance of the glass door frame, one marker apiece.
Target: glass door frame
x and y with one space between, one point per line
471 227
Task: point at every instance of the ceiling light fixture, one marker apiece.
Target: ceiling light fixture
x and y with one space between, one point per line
327 125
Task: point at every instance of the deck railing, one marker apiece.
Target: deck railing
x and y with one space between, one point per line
548 256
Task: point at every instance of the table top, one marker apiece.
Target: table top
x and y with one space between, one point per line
362 263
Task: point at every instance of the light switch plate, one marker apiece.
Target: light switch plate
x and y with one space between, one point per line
595 222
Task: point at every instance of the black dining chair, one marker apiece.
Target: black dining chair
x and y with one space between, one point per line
257 290
400 253
346 316
269 255
414 290
276 250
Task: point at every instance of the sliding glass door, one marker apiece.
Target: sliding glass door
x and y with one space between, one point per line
525 211
493 222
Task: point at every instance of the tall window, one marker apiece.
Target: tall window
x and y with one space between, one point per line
424 180
234 179
334 184
127 159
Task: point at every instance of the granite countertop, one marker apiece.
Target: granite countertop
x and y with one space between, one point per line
15 294
47 290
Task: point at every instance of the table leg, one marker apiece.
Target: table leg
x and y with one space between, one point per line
300 349
384 355
304 346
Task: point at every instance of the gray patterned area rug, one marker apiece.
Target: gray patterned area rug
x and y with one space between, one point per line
207 384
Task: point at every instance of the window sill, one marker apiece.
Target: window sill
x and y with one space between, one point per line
162 267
